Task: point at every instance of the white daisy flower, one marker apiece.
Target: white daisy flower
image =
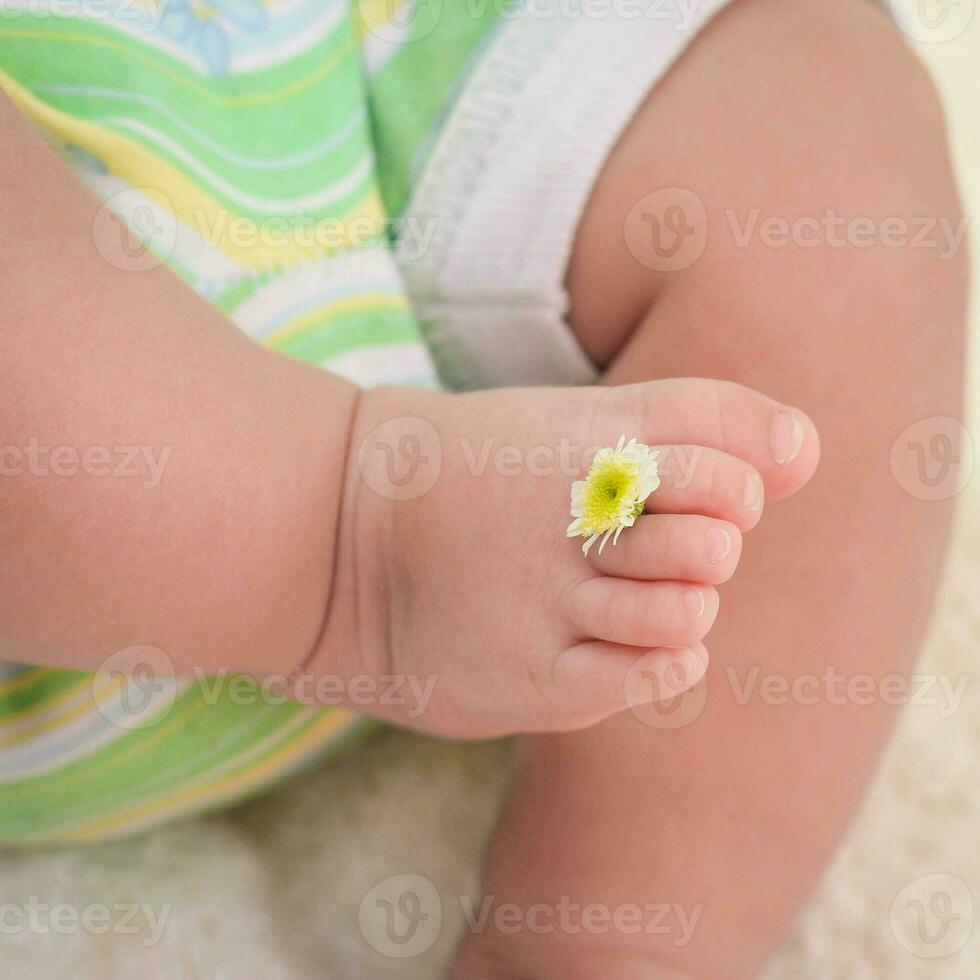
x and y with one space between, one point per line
611 496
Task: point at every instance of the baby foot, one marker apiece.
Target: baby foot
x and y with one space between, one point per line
454 571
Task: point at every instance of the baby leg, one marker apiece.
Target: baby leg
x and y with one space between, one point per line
800 111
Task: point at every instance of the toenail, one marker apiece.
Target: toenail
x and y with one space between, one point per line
786 437
719 545
684 669
754 491
693 663
693 603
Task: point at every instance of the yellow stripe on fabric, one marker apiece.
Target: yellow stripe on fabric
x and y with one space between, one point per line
44 705
344 233
373 14
146 745
18 683
58 721
173 191
203 92
370 301
195 799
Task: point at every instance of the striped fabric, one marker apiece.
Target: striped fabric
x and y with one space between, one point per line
234 137
430 51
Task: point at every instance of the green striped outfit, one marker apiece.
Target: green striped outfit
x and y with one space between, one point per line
235 138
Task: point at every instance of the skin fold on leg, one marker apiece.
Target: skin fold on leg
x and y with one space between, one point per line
803 110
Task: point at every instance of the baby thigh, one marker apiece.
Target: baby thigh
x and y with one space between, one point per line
815 119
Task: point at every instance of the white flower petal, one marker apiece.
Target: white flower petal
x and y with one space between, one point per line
605 538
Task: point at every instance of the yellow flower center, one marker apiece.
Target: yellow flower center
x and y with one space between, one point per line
606 489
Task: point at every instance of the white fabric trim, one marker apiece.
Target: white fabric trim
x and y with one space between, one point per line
511 172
